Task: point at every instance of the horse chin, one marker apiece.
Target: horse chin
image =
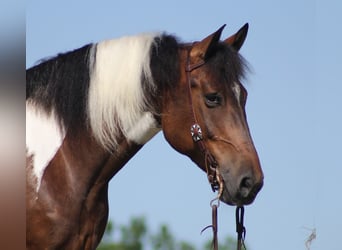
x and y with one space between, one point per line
227 198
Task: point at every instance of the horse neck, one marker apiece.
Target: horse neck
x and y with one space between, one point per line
89 162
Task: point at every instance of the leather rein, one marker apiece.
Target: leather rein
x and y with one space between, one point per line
211 165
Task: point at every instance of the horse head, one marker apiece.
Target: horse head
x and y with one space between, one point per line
204 116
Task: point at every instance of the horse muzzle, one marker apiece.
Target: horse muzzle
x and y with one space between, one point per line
242 188
243 195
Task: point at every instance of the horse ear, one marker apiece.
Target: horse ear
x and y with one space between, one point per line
237 40
202 50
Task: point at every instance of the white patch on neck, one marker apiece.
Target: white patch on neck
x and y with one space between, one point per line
144 129
43 138
237 91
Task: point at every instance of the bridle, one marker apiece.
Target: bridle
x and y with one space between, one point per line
211 165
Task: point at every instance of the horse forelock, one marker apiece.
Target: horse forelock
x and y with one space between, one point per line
227 61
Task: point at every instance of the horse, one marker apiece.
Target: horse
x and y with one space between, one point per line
88 111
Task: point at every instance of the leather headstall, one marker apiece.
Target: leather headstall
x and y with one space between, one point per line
197 132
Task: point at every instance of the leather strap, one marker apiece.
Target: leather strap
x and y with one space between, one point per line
240 228
196 131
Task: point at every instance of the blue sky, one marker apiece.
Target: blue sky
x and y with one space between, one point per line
293 109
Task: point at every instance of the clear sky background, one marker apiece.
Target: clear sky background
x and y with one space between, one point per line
294 113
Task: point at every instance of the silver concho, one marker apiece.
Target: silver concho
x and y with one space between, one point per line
196 132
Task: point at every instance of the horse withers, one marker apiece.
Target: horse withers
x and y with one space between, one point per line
90 110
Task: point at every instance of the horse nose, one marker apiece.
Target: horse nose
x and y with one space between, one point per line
249 187
245 186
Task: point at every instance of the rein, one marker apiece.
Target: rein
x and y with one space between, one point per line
212 166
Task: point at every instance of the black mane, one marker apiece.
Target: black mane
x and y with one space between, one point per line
61 83
165 61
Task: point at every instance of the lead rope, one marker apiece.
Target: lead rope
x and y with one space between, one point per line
214 224
240 228
214 220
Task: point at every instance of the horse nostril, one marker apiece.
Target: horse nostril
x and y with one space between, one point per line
246 185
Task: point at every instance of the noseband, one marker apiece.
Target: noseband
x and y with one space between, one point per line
211 165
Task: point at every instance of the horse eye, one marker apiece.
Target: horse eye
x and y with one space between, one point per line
213 100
